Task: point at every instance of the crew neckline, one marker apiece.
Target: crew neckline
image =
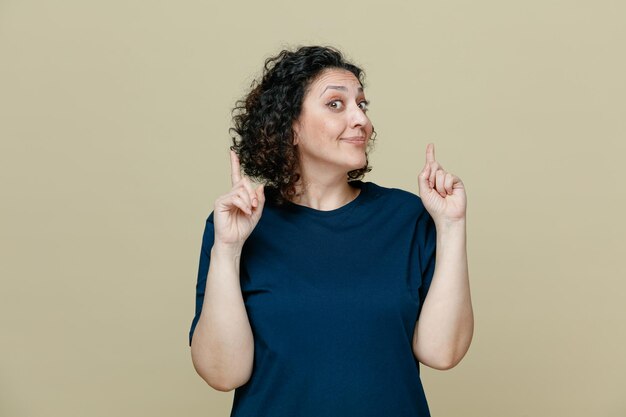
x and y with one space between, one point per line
326 213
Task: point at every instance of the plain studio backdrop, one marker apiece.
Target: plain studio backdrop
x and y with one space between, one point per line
114 122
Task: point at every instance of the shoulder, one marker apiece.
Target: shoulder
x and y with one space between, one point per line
396 198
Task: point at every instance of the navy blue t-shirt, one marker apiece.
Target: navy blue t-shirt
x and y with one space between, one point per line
332 299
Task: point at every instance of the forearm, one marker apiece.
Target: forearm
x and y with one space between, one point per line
446 323
222 346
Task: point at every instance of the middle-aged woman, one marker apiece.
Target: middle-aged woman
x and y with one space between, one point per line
319 294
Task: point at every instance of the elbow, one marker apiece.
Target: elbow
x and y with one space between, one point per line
443 355
440 362
221 385
444 363
227 385
218 380
440 359
218 377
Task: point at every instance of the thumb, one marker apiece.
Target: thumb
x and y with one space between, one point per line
422 179
260 195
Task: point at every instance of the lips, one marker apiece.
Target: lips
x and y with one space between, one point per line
354 139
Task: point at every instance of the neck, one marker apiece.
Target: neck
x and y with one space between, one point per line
325 193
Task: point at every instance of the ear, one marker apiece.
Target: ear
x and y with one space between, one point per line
295 128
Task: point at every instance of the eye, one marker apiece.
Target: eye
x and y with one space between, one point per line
335 104
364 105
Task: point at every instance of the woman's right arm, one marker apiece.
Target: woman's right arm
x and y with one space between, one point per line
222 346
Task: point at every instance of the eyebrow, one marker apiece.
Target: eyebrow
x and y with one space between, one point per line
338 87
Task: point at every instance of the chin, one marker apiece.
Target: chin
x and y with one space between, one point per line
357 165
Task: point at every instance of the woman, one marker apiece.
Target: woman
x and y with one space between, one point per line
311 285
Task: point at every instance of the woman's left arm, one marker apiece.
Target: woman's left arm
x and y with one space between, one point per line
445 327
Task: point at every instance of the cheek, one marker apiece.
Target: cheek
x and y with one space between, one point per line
331 129
336 128
328 130
324 127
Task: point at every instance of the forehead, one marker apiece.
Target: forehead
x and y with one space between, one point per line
334 77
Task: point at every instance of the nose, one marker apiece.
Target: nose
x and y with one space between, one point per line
358 116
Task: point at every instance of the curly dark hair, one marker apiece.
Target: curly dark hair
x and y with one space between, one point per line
262 121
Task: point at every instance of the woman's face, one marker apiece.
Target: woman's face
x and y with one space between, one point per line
332 131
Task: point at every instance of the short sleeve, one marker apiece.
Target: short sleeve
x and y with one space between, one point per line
203 270
427 241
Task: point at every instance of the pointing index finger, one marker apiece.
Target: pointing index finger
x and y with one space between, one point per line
430 153
235 168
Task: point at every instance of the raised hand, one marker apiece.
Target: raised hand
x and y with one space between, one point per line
237 212
442 193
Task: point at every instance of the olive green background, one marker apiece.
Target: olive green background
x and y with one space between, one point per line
113 127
